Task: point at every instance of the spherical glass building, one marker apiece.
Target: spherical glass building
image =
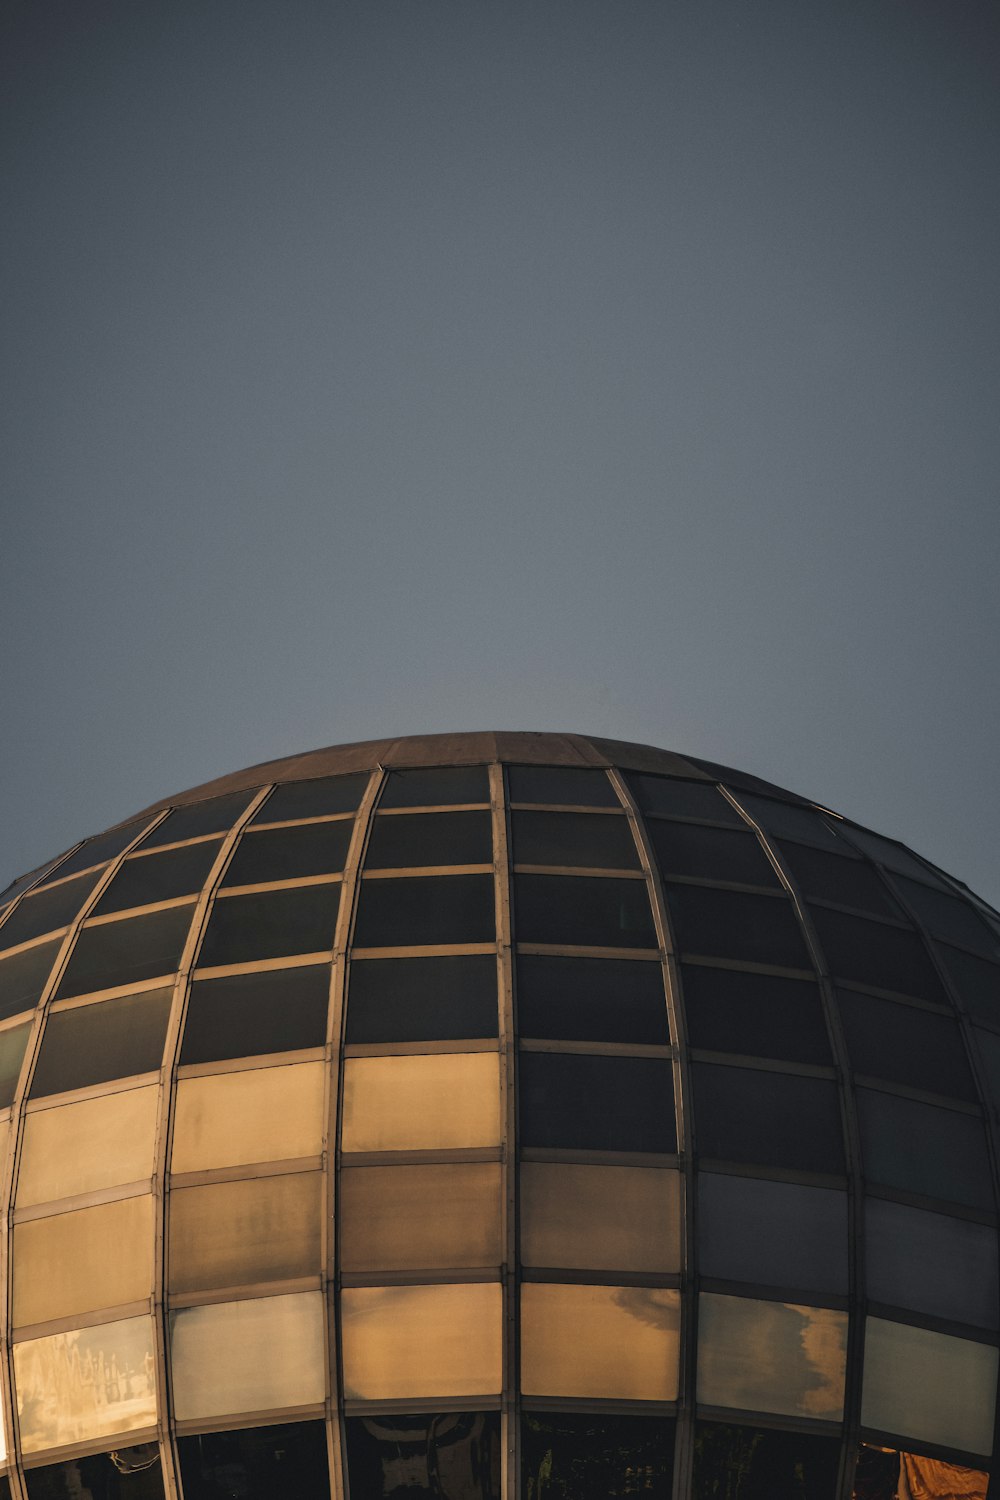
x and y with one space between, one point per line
491 1116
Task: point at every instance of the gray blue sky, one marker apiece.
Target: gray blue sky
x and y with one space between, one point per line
385 366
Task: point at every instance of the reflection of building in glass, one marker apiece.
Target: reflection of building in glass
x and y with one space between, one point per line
493 1116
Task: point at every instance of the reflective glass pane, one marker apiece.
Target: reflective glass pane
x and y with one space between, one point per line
772 1233
951 919
422 999
288 1459
882 1473
602 1342
732 924
271 924
776 1119
596 1456
226 1234
23 976
79 1262
455 838
24 881
591 999
235 1119
126 1474
12 1044
788 820
454 1454
929 1386
831 877
600 1218
442 1215
54 906
409 912
289 853
888 958
248 1356
771 1356
247 1015
921 1149
748 1463
567 786
96 1043
671 798
145 878
59 1400
711 853
420 1342
931 1263
597 1103
126 952
893 856
214 815
313 799
436 788
421 1103
99 850
601 841
761 1015
583 910
905 1045
84 1147
976 981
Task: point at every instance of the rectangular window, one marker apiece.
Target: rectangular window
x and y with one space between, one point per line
711 853
436 787
887 958
231 1357
287 1459
789 820
249 1015
289 853
588 911
832 877
79 1262
732 924
95 1476
905 1045
776 1119
237 1119
593 1218
740 1462
591 999
759 1015
929 1386
146 878
53 907
97 1043
88 1146
213 815
771 1356
574 1101
600 841
431 1102
23 976
421 1342
921 1149
948 918
436 1217
566 786
320 798
667 797
98 851
600 1342
13 1041
438 998
230 1234
127 951
976 982
271 924
931 1263
87 1408
411 912
450 838
594 1455
779 1234
464 1445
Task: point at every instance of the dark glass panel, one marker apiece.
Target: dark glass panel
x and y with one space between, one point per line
583 910
950 919
54 906
246 1015
126 1474
711 853
215 815
313 799
732 924
453 1455
24 881
422 999
284 1462
976 982
458 838
126 952
12 1045
780 1234
436 909
98 851
96 1043
5 1488
289 853
931 1263
885 852
747 1463
670 798
574 1101
599 840
831 877
596 1456
922 1149
905 1045
566 786
158 877
989 1050
436 788
23 976
776 1119
761 1015
271 924
788 820
888 958
591 1000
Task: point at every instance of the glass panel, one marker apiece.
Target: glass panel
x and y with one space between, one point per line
761 1015
236 1119
591 999
436 788
883 1473
976 982
289 853
832 877
452 1455
61 1398
422 999
730 924
214 815
126 952
922 1149
600 1218
665 797
145 878
592 1456
601 841
97 1043
420 1217
777 1119
587 911
126 1474
78 1262
458 838
771 1356
438 909
226 1234
905 1045
421 1103
888 958
54 906
23 976
788 820
711 853
951 919
12 1045
87 1146
748 1463
22 882
933 1264
271 924
287 1460
313 799
772 1233
989 1050
99 850
247 1015
602 1342
893 856
597 1103
248 1356
929 1386
568 786
419 1342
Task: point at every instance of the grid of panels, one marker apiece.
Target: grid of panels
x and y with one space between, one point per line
469 1126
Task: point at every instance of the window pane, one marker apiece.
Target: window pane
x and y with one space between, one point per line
600 1218
247 1015
436 788
126 952
22 882
146 878
882 1472
214 815
235 1119
905 1045
419 1342
84 1147
772 1233
761 1015
711 853
422 999
98 851
248 1356
602 1342
744 1463
271 924
929 1386
888 958
287 1460
54 906
591 999
23 976
832 877
933 1264
457 838
96 1043
313 799
12 1045
922 1149
227 1234
670 798
100 1476
392 1455
730 924
787 820
586 911
421 1103
601 841
776 1119
289 853
976 981
438 909
771 1356
420 1217
949 918
597 1103
592 1456
567 786
893 856
86 1408
79 1262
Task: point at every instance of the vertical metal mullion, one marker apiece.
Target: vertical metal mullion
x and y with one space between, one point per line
510 1404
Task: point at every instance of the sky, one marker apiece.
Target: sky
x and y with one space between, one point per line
376 367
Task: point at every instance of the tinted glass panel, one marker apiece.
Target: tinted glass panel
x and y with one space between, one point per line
422 1103
12 1045
931 1263
126 952
787 820
439 909
458 838
729 924
54 906
830 877
976 982
592 1456
313 799
929 1386
921 1149
132 1474
84 1147
888 958
585 911
682 799
773 1118
591 999
289 853
729 1010
601 841
73 1263
158 877
256 1463
87 1408
231 1234
421 1342
420 1217
236 1119
597 1103
95 1043
905 1045
889 854
98 851
271 924
422 999
453 1454
599 1218
436 788
951 919
989 1050
23 976
747 1463
24 881
245 1015
568 786
711 853
601 1342
771 1356
772 1233
248 1356
212 816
